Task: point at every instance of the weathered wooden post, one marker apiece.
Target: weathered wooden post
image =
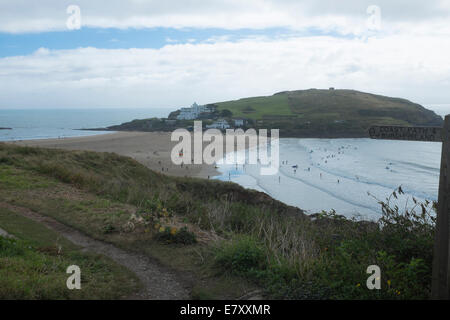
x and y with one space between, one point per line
441 275
440 286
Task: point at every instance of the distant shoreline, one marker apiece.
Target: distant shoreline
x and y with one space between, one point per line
313 135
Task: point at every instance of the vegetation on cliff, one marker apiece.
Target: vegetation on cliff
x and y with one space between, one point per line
307 113
231 238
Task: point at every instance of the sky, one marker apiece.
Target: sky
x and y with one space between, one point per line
168 54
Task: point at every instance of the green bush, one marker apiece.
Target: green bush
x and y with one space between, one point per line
242 256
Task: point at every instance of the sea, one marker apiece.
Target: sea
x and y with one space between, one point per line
349 176
29 124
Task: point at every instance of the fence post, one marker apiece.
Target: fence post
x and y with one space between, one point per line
441 274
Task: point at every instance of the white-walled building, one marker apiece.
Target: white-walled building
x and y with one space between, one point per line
193 112
219 124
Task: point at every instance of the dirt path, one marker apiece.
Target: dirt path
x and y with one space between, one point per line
158 284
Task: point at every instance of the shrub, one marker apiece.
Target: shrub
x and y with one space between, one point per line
171 235
401 245
242 256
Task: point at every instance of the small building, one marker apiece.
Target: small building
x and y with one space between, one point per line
331 88
219 124
239 122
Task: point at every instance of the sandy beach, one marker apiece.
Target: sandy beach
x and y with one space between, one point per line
152 149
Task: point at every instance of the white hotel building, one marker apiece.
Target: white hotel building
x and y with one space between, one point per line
193 112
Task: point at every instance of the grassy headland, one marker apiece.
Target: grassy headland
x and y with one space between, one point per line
307 113
222 239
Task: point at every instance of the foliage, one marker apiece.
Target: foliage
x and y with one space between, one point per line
172 235
242 256
285 252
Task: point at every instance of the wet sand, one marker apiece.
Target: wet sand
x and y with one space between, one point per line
152 149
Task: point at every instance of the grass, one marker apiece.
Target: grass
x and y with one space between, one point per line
328 113
73 197
33 265
243 239
258 107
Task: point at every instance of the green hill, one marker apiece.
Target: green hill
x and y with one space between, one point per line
331 113
306 113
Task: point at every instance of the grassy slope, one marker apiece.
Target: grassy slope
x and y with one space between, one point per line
329 112
99 193
258 107
33 265
245 238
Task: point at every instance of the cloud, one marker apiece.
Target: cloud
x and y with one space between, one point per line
408 66
346 17
407 58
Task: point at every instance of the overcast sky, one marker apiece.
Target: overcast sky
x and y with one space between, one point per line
171 53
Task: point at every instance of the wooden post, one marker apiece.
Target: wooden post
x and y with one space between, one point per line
441 263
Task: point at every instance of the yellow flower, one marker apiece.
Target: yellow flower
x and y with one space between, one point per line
358 285
389 282
173 230
162 229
